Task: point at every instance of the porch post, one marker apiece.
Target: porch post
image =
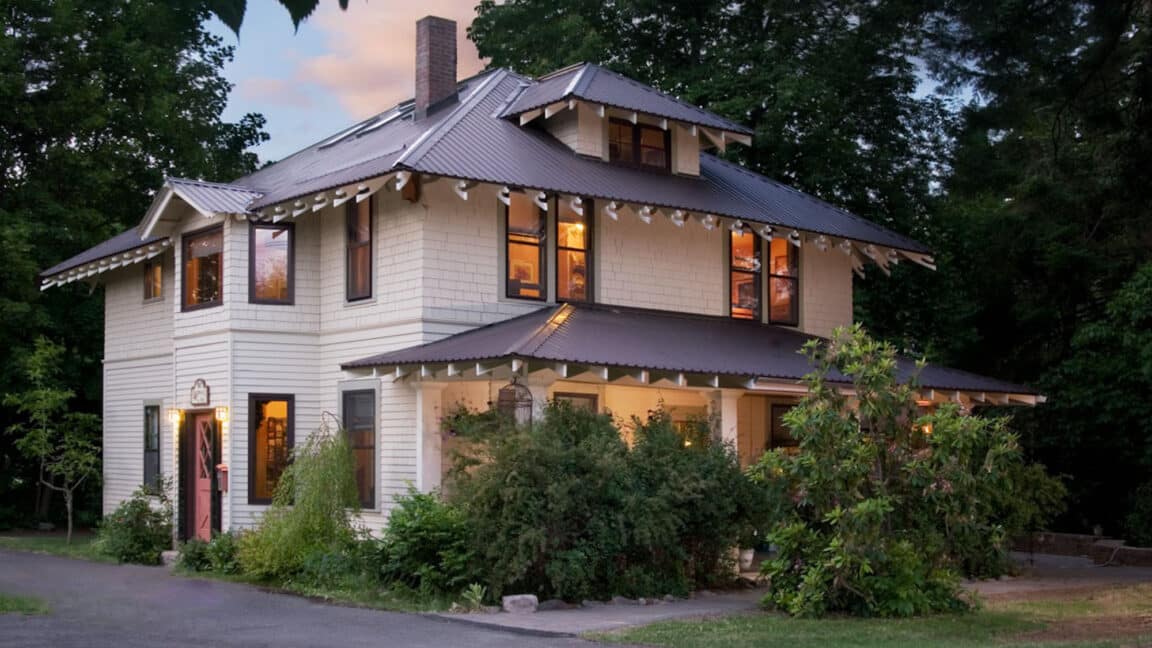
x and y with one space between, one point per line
428 405
539 387
723 410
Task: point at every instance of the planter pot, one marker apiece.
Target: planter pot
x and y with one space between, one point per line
746 558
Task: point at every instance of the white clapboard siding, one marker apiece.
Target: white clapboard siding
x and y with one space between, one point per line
128 386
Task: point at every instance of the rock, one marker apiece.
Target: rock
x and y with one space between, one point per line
456 608
589 603
705 593
169 558
490 609
641 601
520 603
553 604
668 598
624 600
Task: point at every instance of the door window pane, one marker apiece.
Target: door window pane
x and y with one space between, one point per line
360 426
525 222
271 442
203 262
271 264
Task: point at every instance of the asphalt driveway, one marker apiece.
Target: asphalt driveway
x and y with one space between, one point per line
95 604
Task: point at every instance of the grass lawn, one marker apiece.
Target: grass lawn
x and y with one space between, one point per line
52 543
1120 616
13 604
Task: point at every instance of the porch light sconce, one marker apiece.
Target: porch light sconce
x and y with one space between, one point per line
222 414
175 416
577 205
709 222
541 201
505 196
645 215
677 217
610 210
766 232
794 238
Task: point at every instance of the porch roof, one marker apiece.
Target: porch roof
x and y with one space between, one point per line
674 343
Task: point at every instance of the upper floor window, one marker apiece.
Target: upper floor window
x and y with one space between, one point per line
270 440
525 225
783 283
270 272
639 145
574 252
359 250
744 275
203 276
153 279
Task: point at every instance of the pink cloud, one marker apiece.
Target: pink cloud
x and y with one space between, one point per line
371 58
264 91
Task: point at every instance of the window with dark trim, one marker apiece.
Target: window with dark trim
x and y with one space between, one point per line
780 434
360 426
203 276
270 264
525 225
359 249
151 446
574 251
744 274
153 279
639 145
578 401
783 283
271 435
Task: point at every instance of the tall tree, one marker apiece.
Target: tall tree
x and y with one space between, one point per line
102 99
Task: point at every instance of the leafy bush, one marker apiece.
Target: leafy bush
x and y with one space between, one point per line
347 567
140 528
428 545
221 553
1138 524
880 509
311 512
563 508
194 556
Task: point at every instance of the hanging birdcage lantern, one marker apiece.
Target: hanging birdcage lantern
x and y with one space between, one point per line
515 401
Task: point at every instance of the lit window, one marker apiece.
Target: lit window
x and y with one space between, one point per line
525 224
203 264
153 279
270 264
360 426
152 446
744 275
783 284
359 242
638 145
586 402
574 253
269 444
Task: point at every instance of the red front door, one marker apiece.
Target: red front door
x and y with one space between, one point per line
203 464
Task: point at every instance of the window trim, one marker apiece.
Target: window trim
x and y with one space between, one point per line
595 398
795 279
589 252
290 438
636 161
542 247
758 315
185 239
291 270
374 397
349 214
154 454
154 262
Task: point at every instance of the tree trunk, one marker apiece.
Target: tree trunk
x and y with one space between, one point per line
68 506
43 502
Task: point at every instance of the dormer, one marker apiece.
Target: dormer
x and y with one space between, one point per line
600 114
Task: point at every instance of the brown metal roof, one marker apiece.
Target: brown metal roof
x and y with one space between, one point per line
616 336
595 84
119 244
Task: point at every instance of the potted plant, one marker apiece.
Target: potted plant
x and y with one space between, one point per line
749 540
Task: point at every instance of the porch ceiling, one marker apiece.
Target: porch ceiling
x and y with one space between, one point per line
609 343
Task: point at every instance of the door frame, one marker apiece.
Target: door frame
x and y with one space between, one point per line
186 476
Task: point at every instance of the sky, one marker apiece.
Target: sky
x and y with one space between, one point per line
339 68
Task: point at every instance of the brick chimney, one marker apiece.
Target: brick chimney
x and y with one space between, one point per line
435 63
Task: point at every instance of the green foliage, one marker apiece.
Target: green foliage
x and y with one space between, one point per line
311 513
194 556
428 545
1138 524
140 528
221 553
880 508
474 596
563 508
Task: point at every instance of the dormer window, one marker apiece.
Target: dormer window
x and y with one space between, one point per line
639 145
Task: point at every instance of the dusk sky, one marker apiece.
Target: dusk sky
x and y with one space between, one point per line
340 67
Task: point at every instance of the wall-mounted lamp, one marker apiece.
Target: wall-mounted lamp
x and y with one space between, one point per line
175 415
222 414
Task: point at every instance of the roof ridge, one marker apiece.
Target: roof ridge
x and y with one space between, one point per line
536 339
207 183
561 71
432 136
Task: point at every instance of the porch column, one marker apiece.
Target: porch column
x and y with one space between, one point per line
722 408
539 387
429 397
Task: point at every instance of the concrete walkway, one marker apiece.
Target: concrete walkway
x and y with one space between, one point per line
604 618
1042 573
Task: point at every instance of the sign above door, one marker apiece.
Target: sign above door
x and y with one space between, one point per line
201 394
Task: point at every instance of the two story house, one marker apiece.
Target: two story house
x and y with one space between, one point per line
497 240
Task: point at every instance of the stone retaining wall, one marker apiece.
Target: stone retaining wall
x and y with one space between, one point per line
1101 550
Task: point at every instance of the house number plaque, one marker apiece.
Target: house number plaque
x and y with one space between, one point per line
201 394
